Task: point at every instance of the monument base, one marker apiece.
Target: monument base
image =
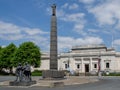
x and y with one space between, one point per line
53 74
23 83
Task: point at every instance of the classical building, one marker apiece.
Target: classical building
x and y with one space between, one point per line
87 58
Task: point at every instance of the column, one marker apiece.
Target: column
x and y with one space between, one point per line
90 64
82 65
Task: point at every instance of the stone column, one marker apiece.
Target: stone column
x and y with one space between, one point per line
90 64
82 65
53 40
53 73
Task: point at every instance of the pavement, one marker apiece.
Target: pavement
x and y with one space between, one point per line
70 80
104 83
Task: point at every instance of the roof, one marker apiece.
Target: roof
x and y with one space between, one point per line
92 46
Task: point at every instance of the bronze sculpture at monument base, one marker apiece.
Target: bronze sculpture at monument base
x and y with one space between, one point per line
53 74
23 76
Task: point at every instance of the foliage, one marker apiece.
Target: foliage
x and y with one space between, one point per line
3 73
6 56
28 52
37 73
112 74
10 55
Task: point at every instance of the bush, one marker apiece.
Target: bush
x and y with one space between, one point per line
113 74
37 73
4 73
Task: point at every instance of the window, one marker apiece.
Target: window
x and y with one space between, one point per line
66 66
95 65
78 66
107 65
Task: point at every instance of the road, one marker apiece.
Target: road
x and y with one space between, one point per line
107 83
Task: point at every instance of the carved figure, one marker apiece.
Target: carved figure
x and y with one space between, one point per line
23 73
27 72
19 72
53 9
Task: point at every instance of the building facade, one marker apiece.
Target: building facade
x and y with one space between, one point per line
88 58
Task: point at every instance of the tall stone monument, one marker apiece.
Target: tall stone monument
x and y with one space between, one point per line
53 40
53 73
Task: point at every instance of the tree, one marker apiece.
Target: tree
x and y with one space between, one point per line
6 56
0 59
28 52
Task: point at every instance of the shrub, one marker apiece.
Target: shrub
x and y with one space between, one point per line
112 74
37 73
4 73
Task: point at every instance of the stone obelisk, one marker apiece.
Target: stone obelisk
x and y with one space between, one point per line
53 40
53 73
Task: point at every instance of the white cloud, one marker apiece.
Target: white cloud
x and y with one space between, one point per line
11 36
79 29
39 37
3 46
70 6
69 42
93 30
107 13
87 1
65 5
12 32
78 20
60 13
118 25
79 26
34 31
71 17
76 17
73 6
116 44
8 28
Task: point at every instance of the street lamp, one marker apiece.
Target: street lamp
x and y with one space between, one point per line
99 67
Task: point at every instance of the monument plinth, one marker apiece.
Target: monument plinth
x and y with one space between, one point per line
53 72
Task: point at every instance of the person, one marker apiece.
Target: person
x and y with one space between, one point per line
27 72
19 72
53 9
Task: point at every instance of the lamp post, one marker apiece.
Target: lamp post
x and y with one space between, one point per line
68 62
99 67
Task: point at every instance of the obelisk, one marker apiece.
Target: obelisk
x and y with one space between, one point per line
53 40
53 73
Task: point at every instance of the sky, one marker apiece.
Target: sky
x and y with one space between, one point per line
79 22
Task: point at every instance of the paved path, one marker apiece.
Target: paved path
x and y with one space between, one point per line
71 80
106 83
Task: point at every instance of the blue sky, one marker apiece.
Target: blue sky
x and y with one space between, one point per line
80 22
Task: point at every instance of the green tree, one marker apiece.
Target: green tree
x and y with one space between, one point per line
6 56
28 52
0 59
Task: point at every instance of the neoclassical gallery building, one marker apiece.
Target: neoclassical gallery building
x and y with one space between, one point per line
87 58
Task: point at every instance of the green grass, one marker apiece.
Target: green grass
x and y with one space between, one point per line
37 73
